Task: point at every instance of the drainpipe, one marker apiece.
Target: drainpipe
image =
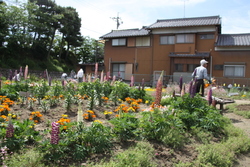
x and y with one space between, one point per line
110 64
211 66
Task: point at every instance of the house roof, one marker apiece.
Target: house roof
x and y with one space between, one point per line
186 22
126 33
233 40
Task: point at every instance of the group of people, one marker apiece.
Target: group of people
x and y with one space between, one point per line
200 73
78 76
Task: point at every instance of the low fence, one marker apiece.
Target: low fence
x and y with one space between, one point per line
149 80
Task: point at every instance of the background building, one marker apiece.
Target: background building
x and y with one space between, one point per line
176 47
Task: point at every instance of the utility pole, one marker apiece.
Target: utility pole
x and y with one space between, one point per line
118 20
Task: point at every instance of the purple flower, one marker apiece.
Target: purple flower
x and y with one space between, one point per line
142 84
10 130
55 133
209 96
190 87
193 89
181 82
194 74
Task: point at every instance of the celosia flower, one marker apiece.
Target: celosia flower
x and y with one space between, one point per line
55 133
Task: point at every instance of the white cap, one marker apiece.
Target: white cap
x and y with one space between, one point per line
203 62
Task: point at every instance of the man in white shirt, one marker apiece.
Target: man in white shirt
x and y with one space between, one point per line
201 73
79 75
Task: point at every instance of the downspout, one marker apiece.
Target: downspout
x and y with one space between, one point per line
110 59
135 65
211 66
152 54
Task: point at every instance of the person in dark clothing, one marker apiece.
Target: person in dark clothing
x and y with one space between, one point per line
201 73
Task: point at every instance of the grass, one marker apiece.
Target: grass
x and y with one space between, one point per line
242 112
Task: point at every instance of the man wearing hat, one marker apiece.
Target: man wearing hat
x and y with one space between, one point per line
201 73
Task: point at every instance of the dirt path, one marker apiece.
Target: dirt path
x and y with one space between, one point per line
242 123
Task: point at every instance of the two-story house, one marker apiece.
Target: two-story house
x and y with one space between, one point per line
176 47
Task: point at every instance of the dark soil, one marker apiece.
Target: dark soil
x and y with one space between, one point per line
164 155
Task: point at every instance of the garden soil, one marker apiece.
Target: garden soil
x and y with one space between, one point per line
165 156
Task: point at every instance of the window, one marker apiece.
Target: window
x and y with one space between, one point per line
234 70
185 38
178 68
119 42
207 36
191 67
142 41
119 69
164 40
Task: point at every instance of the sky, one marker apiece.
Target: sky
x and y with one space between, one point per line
97 16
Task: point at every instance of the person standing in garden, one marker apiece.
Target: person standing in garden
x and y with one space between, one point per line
80 75
201 73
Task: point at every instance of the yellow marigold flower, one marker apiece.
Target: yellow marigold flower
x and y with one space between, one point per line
98 121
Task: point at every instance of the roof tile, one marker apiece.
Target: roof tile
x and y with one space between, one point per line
184 22
126 33
233 40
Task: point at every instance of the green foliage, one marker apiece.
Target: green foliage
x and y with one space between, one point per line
26 158
234 108
194 113
24 134
137 93
222 154
140 155
163 126
78 143
40 91
125 126
120 90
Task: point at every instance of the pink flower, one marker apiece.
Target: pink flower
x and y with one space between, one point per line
159 90
55 133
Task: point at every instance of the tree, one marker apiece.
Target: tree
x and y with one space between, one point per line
91 51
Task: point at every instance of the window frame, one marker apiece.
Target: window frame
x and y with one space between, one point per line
122 72
178 67
233 72
207 36
142 41
120 42
168 40
185 38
